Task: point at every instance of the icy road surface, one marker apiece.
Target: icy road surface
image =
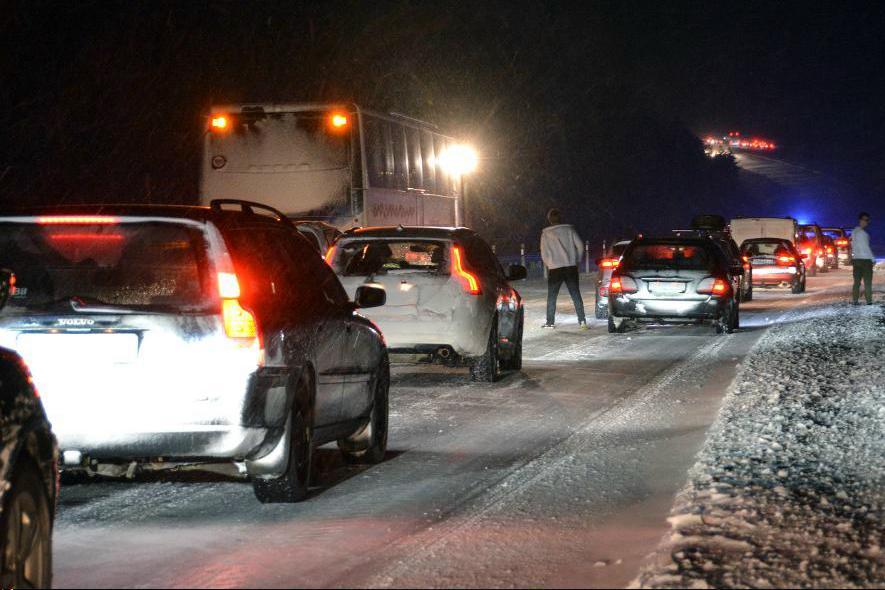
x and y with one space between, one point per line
562 475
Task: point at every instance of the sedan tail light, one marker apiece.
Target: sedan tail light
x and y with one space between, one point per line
842 242
714 286
786 260
621 284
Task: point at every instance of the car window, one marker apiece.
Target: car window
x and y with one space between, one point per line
147 264
766 249
663 256
374 256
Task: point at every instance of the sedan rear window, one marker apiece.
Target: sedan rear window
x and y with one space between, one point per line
368 257
766 249
150 264
662 256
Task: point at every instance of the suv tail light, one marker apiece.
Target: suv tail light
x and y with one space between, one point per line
714 286
841 242
330 255
609 263
240 324
786 260
467 278
620 284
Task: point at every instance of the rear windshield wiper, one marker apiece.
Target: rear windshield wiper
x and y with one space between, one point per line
87 304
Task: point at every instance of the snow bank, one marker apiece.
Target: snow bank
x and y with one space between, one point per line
789 489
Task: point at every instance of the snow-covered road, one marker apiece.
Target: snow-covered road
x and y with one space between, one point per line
562 475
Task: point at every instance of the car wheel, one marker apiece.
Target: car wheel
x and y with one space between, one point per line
485 368
748 296
796 287
616 325
724 322
26 532
293 485
734 319
514 363
369 444
600 312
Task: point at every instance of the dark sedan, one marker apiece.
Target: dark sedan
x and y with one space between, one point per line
675 280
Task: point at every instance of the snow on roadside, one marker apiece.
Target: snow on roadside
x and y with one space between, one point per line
789 489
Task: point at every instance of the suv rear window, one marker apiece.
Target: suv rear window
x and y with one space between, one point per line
367 257
119 264
766 249
834 233
663 256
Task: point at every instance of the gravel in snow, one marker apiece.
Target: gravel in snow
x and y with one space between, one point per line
789 489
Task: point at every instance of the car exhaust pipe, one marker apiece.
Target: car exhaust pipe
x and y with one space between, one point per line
444 353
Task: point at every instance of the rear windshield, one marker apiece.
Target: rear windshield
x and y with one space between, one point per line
766 249
664 256
807 234
834 233
142 265
368 257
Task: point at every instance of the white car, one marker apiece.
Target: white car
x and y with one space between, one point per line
447 294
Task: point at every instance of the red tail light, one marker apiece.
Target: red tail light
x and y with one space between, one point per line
712 286
228 285
621 284
609 263
841 242
786 260
86 237
469 280
829 249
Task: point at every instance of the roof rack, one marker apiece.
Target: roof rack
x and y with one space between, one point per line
249 207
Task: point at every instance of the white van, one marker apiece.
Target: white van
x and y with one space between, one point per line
747 228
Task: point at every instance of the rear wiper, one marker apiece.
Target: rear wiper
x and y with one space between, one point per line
86 304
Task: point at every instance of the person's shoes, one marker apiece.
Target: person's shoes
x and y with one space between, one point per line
548 326
583 326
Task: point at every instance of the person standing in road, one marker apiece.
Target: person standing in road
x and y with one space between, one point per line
862 257
561 250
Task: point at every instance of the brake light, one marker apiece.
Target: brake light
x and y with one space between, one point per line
609 263
471 284
228 285
338 120
620 284
820 251
829 249
76 220
239 323
86 237
712 286
841 242
785 260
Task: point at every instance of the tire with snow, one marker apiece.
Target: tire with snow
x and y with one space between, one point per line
26 531
294 484
797 287
514 363
728 321
600 312
616 325
485 368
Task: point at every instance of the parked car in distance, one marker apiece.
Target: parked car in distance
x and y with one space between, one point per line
448 297
193 334
810 243
831 253
606 265
320 234
732 251
842 241
28 473
776 263
748 228
675 280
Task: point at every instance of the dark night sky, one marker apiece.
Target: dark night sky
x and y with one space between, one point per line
588 105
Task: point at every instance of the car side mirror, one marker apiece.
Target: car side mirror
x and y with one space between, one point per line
516 272
368 296
7 286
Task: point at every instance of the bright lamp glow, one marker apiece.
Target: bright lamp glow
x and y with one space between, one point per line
219 122
459 159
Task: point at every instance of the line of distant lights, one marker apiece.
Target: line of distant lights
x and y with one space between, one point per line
734 140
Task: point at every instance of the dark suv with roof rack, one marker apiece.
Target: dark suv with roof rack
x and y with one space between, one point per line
193 334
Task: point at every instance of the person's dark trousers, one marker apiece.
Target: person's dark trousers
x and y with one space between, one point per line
863 269
555 278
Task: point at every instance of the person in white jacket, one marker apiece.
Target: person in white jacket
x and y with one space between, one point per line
561 250
862 260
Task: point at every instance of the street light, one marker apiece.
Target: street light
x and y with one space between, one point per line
459 160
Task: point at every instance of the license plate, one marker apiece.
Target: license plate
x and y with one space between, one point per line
775 270
82 349
667 287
